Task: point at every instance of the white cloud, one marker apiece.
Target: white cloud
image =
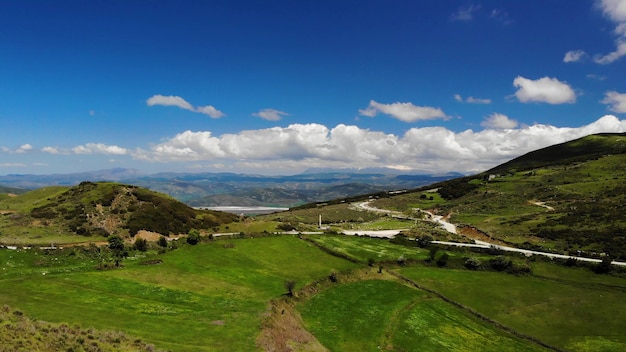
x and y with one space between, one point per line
406 112
465 13
616 101
51 150
499 121
210 110
574 56
99 148
620 51
24 148
435 149
545 90
615 10
169 100
270 114
172 100
471 100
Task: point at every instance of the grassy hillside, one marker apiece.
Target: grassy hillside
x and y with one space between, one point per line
567 198
93 211
583 149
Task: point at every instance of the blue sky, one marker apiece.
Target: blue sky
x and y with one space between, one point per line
276 87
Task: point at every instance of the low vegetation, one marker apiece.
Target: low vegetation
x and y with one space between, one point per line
20 333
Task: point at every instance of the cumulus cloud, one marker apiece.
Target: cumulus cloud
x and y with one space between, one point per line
498 121
574 56
99 148
171 100
406 112
615 10
544 90
270 114
471 100
436 149
24 148
616 101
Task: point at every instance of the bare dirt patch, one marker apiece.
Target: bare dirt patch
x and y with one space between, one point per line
476 234
283 331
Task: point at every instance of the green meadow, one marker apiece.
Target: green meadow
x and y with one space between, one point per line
216 296
376 315
209 297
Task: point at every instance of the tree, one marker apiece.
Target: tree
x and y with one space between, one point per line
193 237
116 244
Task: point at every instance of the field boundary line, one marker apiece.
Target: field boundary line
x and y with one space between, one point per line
475 313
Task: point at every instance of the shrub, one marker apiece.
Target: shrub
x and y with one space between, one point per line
141 245
443 260
193 237
290 285
333 277
500 263
472 263
162 242
604 266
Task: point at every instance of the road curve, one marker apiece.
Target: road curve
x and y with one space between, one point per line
482 244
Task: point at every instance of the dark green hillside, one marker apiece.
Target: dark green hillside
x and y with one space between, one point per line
582 149
102 209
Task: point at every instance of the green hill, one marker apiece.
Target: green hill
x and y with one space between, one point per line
566 198
94 211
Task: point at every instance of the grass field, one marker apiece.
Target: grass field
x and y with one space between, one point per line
572 309
214 297
210 297
379 315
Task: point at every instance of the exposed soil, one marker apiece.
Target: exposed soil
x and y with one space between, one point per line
476 234
283 331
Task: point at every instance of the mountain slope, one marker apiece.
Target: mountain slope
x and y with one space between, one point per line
582 149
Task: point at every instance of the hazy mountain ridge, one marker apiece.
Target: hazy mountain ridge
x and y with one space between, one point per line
211 189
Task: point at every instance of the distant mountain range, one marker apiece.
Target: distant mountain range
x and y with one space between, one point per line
223 189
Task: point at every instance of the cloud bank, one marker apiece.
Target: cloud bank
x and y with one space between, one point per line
434 149
296 147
